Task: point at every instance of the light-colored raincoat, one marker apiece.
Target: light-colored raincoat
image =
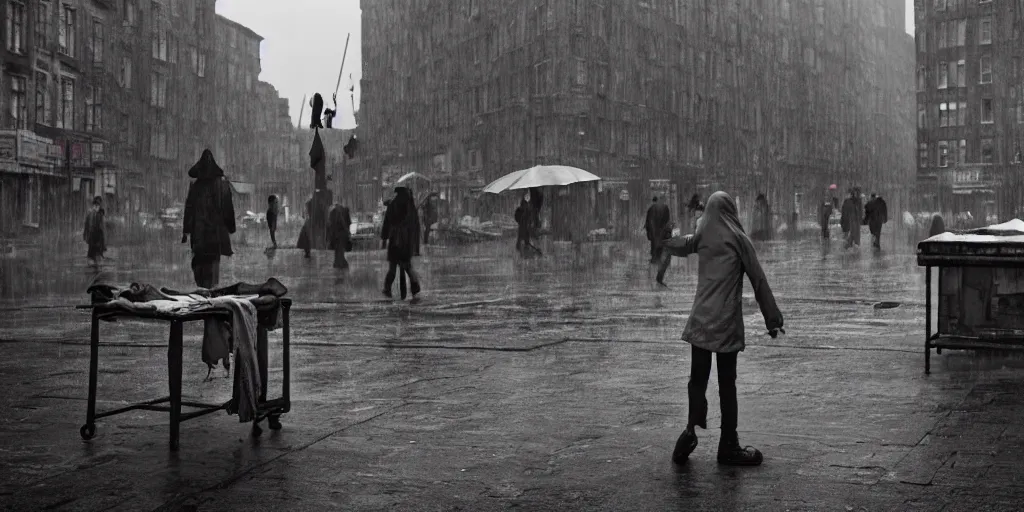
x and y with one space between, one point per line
724 254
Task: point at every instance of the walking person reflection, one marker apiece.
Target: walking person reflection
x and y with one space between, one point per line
715 325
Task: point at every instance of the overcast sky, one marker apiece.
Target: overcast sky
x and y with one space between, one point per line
304 41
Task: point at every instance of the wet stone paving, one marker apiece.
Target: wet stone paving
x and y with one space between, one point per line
549 384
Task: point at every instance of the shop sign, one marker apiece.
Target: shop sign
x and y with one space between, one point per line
8 148
35 150
966 176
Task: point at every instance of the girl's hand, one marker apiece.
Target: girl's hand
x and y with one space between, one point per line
774 333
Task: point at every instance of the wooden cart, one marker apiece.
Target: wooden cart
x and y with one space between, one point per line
980 291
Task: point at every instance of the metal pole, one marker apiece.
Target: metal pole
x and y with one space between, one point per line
342 70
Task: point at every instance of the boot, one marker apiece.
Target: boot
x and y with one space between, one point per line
685 445
732 454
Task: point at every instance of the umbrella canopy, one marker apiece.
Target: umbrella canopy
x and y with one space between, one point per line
540 176
411 176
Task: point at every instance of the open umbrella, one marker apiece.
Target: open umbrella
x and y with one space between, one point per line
540 176
411 176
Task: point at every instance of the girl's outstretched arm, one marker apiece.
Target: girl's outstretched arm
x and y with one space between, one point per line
681 246
762 292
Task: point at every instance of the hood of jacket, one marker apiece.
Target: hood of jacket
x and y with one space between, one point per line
206 167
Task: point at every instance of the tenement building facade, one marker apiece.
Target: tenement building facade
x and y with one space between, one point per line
783 97
970 106
118 98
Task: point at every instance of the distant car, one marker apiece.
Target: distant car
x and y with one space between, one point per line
252 219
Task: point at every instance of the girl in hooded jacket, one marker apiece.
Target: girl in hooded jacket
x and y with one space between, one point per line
715 325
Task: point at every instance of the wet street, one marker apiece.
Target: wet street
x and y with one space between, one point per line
549 384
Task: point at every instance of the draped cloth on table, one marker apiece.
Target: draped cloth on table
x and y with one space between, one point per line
724 253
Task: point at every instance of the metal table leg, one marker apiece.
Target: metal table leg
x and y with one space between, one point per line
174 349
89 429
928 319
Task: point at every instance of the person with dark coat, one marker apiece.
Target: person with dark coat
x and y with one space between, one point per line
762 229
825 210
305 240
525 219
403 287
401 231
850 219
658 227
938 226
429 210
273 209
876 213
339 234
93 234
715 325
209 219
695 208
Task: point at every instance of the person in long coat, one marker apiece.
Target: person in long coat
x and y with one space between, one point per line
825 210
209 219
339 225
715 325
524 219
850 219
93 234
658 227
762 219
401 232
938 226
876 213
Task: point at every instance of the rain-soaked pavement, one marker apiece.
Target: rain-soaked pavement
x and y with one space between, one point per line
552 384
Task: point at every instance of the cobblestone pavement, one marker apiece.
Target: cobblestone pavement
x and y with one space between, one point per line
554 384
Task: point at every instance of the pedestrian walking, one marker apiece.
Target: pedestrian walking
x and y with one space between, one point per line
339 225
715 326
825 210
305 235
400 231
272 210
209 219
876 213
94 233
524 219
658 227
850 219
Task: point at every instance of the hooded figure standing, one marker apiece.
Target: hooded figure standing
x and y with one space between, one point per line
762 219
93 233
209 219
658 228
715 325
876 213
850 220
401 231
825 210
339 235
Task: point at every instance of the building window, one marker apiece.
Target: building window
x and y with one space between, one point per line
157 141
66 31
954 72
160 44
1020 114
66 109
962 152
961 114
953 114
940 5
94 109
125 78
987 115
920 78
19 109
961 33
921 111
922 154
943 75
158 90
130 13
43 25
943 153
985 30
16 26
33 208
961 73
201 67
97 41
943 115
581 72
922 42
988 151
986 69
44 107
175 8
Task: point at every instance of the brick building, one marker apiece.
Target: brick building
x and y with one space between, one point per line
130 91
682 97
970 106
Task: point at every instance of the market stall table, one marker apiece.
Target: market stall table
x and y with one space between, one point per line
266 409
980 289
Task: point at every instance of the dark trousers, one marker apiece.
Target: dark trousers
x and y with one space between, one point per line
826 233
426 234
406 267
339 255
273 235
656 250
876 240
700 372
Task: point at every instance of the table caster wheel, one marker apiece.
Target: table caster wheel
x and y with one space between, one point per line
256 430
274 422
88 431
